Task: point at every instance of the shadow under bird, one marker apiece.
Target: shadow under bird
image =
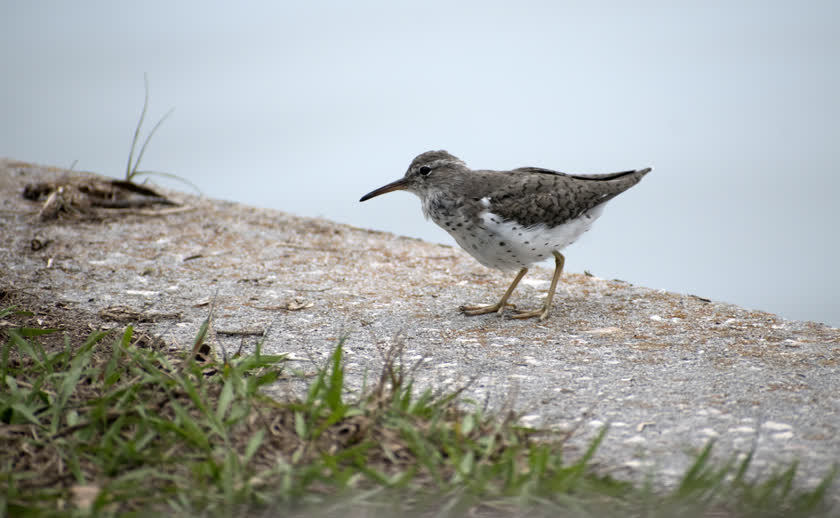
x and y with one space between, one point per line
510 220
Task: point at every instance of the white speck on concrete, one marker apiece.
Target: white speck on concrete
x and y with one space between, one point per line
142 293
636 439
742 429
776 426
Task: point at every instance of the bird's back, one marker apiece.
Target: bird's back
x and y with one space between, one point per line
532 196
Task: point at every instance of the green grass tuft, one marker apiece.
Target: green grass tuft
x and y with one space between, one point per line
132 167
113 425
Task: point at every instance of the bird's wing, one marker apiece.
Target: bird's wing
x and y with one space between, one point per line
553 198
607 176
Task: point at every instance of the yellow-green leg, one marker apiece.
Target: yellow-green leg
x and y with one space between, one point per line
559 261
500 306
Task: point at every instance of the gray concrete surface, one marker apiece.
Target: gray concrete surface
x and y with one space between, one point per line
668 372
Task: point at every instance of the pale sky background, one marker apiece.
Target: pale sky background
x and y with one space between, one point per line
306 106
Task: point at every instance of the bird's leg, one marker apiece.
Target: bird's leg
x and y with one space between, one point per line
499 306
559 261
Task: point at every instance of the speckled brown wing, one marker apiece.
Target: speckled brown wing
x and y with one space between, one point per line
531 195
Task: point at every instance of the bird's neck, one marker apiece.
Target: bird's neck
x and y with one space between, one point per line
435 202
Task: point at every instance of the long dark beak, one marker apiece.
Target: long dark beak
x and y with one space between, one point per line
400 184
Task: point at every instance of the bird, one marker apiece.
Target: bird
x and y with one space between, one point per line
509 220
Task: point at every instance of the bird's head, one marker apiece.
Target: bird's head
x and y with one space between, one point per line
428 171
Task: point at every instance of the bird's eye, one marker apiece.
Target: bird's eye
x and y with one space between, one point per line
425 170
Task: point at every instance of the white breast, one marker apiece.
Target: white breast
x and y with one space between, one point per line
507 245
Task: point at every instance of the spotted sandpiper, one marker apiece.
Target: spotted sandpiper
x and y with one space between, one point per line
509 219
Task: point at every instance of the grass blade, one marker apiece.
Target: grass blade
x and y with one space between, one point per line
146 142
129 168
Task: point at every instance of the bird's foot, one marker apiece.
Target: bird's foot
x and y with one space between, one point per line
541 313
499 308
